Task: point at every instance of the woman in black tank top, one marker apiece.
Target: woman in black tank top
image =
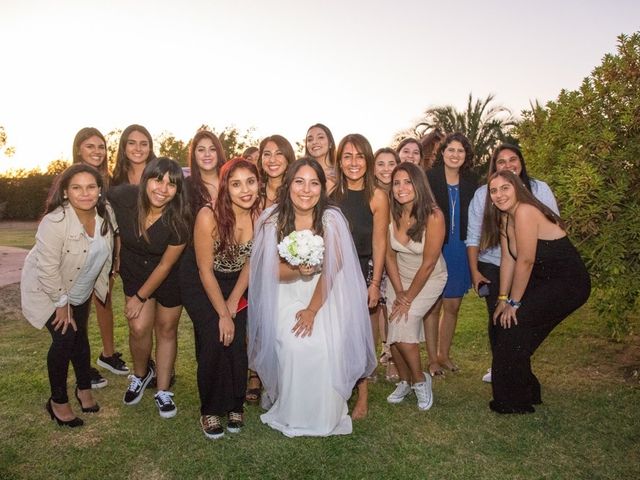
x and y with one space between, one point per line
367 210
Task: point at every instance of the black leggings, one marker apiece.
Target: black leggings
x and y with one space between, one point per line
72 346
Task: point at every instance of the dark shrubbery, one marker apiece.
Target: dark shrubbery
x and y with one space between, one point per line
23 197
586 144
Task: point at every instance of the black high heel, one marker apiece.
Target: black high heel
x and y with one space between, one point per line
93 409
74 422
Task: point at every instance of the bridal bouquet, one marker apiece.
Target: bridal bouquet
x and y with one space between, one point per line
302 248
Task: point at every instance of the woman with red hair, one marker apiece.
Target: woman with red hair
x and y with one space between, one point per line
222 241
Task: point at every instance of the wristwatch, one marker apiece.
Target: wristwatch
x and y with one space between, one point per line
513 303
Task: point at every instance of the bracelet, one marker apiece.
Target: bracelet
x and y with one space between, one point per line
503 298
375 282
140 298
513 303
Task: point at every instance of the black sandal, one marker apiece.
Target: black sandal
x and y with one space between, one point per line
253 394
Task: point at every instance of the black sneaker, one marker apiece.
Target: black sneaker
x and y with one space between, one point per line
136 387
235 422
164 402
97 380
211 426
114 363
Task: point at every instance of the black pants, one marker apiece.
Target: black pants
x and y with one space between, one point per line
222 371
72 346
556 288
492 273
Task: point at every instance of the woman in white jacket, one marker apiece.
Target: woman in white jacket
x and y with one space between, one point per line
71 260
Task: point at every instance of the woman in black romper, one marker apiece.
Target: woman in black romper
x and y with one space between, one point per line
154 228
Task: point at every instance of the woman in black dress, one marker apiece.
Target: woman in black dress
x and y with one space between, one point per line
154 228
223 240
544 279
366 207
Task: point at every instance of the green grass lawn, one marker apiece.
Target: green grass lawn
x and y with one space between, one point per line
18 234
588 426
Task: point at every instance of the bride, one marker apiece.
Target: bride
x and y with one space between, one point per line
309 331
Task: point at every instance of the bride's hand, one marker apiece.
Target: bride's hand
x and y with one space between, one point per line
306 270
304 324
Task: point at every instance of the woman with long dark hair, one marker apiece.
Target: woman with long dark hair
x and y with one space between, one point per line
366 207
385 161
274 157
309 330
417 275
70 261
154 229
223 239
90 148
544 280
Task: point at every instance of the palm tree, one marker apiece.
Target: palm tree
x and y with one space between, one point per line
483 124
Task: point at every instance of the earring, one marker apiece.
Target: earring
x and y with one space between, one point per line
99 194
64 197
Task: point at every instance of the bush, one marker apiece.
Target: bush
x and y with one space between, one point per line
587 145
23 197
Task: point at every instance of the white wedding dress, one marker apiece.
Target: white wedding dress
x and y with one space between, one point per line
307 403
308 380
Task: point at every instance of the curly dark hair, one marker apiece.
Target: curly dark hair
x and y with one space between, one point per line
469 154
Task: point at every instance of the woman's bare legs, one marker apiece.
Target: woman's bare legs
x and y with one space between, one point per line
446 330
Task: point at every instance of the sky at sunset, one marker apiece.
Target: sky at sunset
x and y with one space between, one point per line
359 66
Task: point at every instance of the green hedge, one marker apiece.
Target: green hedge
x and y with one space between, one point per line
586 144
23 198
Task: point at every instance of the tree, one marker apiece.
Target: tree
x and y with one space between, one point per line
113 139
56 167
8 151
485 125
170 146
234 142
586 143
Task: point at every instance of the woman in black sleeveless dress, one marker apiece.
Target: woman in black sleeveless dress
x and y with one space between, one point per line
367 210
542 281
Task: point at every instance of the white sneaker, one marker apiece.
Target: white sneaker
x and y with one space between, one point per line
164 402
424 393
402 390
487 376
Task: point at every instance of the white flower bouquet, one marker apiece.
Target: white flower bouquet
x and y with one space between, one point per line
302 248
